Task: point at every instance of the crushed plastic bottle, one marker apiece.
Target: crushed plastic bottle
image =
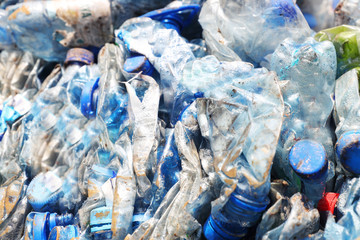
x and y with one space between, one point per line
172 130
46 113
168 61
220 80
236 30
307 110
48 28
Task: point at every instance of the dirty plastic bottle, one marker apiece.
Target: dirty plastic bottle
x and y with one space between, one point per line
236 30
239 213
225 87
172 18
307 110
164 48
39 124
40 224
308 160
48 28
166 175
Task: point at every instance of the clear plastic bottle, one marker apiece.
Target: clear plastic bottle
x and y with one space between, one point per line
307 110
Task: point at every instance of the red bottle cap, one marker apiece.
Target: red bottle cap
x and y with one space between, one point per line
328 202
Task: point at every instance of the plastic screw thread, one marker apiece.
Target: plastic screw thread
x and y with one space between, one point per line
65 219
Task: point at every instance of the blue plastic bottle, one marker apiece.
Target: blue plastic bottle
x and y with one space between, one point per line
308 160
239 213
39 224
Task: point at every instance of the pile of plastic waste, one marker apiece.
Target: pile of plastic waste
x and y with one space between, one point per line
192 119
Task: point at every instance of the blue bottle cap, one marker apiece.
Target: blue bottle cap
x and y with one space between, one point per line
213 231
87 102
80 55
137 64
348 151
44 191
308 159
100 219
175 18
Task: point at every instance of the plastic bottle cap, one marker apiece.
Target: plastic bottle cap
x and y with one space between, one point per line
100 219
79 55
44 189
87 105
137 64
348 151
308 159
175 18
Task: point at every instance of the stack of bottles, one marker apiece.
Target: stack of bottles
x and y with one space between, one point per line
185 119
